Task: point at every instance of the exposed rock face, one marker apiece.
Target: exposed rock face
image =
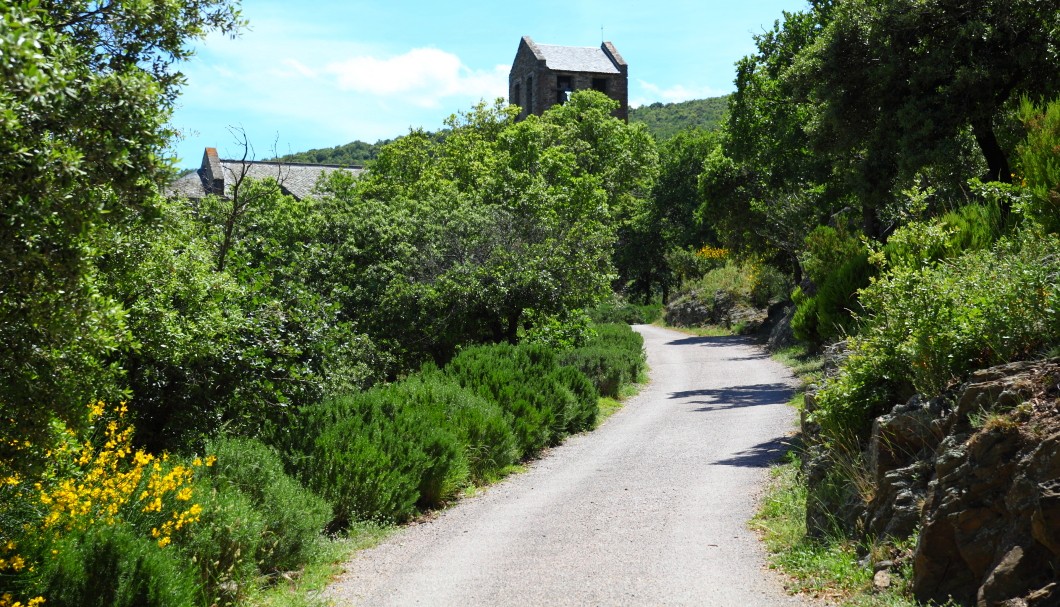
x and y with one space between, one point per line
779 325
719 308
979 473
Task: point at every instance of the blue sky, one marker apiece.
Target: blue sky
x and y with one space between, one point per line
311 75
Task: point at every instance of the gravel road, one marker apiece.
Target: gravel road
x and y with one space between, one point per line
649 509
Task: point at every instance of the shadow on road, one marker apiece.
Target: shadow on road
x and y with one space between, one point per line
712 342
762 455
736 397
722 342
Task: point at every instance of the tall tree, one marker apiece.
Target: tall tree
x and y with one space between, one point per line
85 93
898 81
472 236
766 186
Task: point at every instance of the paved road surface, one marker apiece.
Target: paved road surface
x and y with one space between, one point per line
650 509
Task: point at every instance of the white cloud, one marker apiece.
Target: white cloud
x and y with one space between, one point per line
650 93
311 90
422 76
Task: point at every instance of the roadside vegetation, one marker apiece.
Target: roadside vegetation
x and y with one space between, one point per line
208 402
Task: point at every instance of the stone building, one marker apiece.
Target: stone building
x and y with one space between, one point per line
543 75
217 175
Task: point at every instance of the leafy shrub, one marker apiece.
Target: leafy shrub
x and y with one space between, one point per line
224 543
479 424
615 356
376 457
825 249
1039 162
975 226
582 416
619 335
837 297
837 264
619 310
558 332
768 285
931 323
366 472
688 265
113 566
293 516
804 321
518 379
604 366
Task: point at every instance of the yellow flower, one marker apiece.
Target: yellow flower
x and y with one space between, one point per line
95 410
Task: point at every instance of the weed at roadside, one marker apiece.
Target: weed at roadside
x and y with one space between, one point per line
829 568
304 588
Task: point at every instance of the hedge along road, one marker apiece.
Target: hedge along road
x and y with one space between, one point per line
649 509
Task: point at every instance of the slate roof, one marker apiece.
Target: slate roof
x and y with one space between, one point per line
576 59
296 180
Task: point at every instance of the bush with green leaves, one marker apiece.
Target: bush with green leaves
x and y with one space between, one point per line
376 456
615 356
479 424
293 517
224 543
619 310
1039 163
582 415
928 324
836 301
114 566
520 380
836 263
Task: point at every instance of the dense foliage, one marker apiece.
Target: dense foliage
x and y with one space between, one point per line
392 451
355 153
373 350
83 114
234 325
664 120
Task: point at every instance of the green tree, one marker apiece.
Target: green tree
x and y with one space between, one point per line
477 234
767 186
85 93
900 82
669 219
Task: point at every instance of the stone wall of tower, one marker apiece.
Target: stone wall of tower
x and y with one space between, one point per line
535 88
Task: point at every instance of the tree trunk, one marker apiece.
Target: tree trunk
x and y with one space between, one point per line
996 160
512 332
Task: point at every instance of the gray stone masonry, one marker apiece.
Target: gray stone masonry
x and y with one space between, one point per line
543 75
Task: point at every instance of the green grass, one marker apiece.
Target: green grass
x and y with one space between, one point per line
303 588
827 569
806 367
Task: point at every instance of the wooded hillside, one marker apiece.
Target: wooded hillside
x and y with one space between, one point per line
665 120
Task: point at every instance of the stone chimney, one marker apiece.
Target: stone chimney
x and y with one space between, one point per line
213 172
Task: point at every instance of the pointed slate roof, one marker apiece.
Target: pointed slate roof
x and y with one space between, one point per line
576 59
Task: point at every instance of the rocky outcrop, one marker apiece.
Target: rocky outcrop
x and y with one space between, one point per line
719 308
991 523
778 323
977 471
